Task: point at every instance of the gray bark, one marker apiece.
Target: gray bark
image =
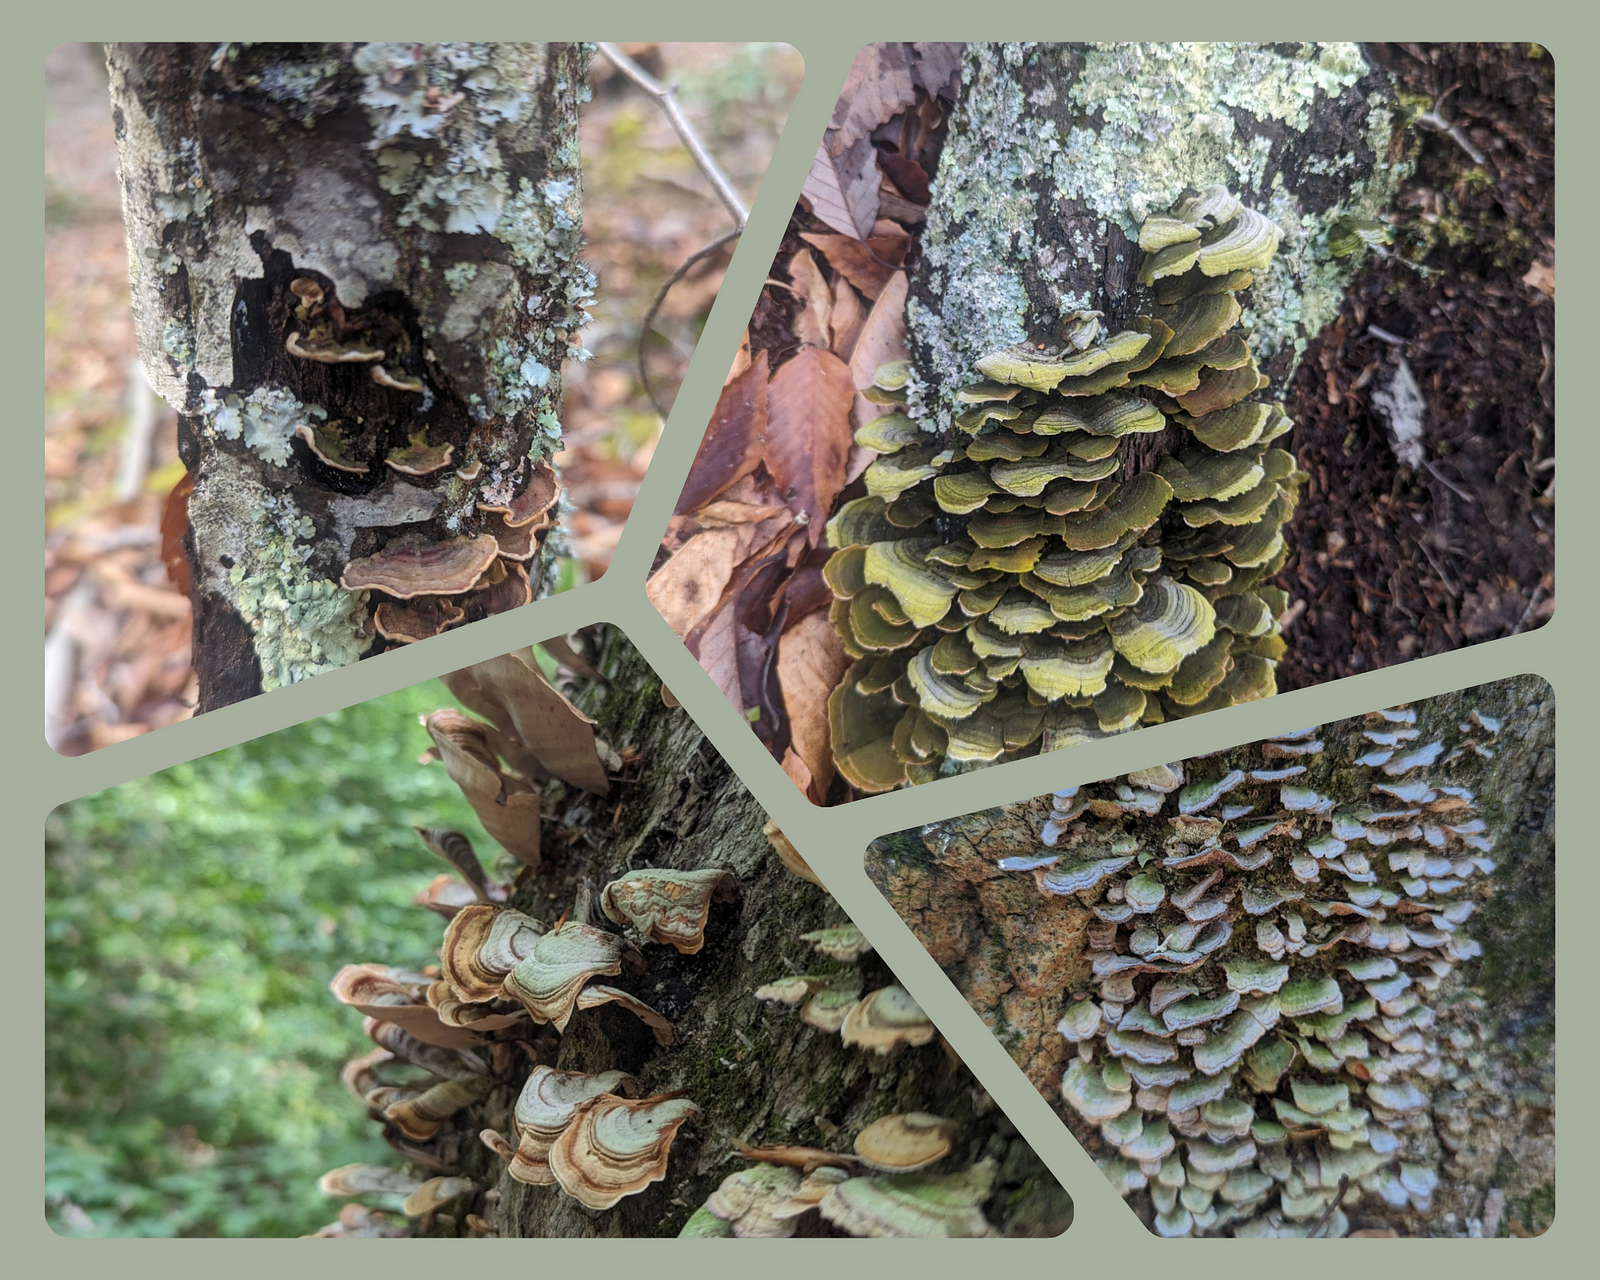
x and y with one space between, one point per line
754 1069
1057 152
432 192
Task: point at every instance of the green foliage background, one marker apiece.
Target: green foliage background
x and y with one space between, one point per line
193 920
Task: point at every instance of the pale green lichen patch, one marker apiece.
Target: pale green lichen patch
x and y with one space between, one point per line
266 419
177 341
1118 131
302 625
980 227
459 275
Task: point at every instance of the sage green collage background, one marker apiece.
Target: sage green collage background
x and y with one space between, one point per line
1105 1237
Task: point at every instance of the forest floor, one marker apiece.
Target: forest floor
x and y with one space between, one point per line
117 648
1394 564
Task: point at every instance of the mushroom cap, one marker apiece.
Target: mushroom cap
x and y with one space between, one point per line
904 1143
512 591
367 1179
669 907
844 942
409 567
419 619
547 980
481 945
421 1117
614 1147
913 1205
399 996
433 1193
750 1201
546 1105
596 994
886 1018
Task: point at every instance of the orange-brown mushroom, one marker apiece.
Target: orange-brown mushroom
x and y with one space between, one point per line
615 1148
413 620
410 567
904 1143
886 1018
512 591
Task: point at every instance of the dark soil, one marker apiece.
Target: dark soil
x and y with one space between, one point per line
1394 564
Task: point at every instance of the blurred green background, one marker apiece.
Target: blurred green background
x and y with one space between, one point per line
193 920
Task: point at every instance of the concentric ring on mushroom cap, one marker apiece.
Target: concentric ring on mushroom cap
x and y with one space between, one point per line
408 567
669 907
905 1143
548 979
615 1148
481 945
545 1107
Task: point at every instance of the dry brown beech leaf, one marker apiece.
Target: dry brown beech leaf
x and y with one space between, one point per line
843 189
733 443
811 661
881 84
868 264
809 438
882 340
816 300
845 319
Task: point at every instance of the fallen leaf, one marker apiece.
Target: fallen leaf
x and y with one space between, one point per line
883 338
808 403
816 299
733 442
725 512
869 264
795 767
843 190
689 585
882 83
716 649
741 359
810 663
845 318
174 527
1542 276
906 174
938 67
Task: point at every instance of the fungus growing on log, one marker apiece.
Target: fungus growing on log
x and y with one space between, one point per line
1264 1024
1090 548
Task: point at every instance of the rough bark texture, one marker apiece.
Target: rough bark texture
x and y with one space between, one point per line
432 193
756 1071
1058 151
1017 955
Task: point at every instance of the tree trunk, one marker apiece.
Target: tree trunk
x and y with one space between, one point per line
1017 955
1057 152
295 210
754 1069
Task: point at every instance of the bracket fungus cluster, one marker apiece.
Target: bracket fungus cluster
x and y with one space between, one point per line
597 1070
1091 548
1265 1025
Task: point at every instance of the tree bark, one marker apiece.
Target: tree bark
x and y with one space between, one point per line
422 200
1057 152
756 1071
1016 954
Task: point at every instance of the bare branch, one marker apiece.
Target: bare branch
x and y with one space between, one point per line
650 315
666 95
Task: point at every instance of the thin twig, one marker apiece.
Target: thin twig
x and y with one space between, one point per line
650 315
1454 488
667 96
1327 1214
